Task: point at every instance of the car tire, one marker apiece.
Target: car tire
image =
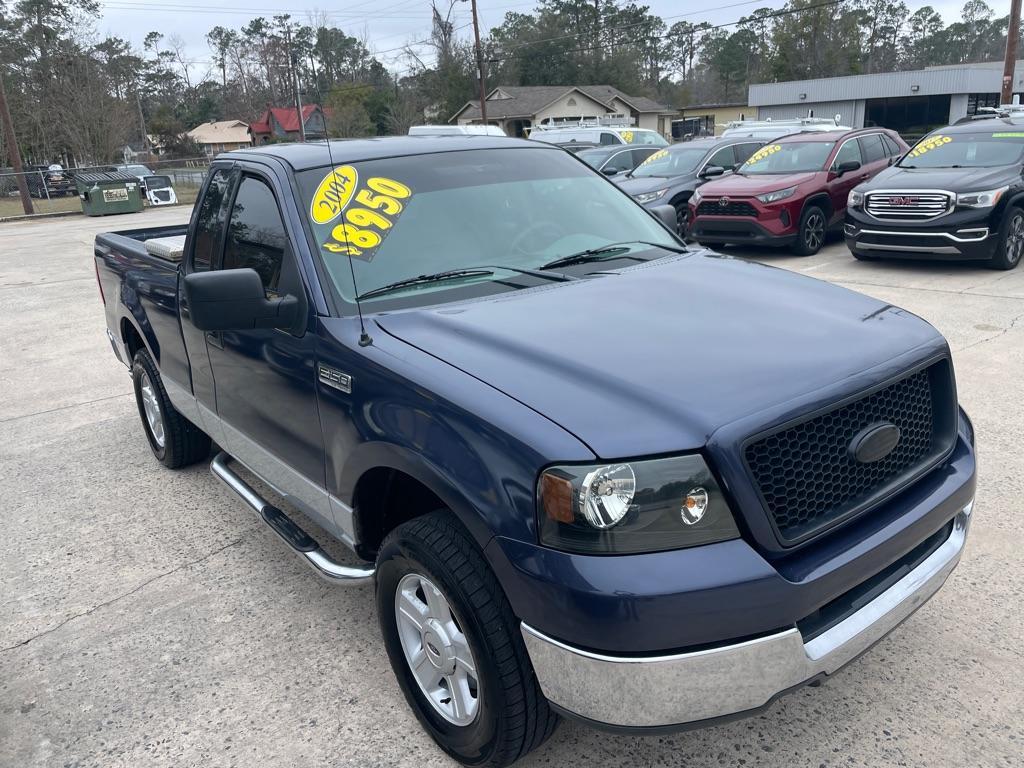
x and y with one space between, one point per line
442 611
682 207
1011 240
811 234
175 441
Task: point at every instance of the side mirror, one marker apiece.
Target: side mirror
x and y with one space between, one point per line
609 171
666 214
234 300
849 165
712 170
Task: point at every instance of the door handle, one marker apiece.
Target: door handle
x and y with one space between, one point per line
865 177
215 338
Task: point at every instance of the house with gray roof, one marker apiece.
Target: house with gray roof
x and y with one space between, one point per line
516 109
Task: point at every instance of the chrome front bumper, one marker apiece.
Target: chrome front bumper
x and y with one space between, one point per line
660 691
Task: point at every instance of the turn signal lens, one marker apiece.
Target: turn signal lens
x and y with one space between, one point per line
556 493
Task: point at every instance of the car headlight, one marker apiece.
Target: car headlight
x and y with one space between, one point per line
856 199
649 197
696 197
985 199
779 194
629 507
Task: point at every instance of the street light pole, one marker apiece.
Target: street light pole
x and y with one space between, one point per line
480 65
12 145
1010 61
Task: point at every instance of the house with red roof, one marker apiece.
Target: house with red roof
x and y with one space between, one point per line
282 124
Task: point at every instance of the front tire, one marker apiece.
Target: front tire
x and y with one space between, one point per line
811 235
1011 241
455 645
174 440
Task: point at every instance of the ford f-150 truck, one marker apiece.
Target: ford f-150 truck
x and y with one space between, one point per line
589 472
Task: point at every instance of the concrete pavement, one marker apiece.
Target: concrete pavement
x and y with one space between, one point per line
145 620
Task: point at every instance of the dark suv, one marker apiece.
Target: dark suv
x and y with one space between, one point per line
793 190
671 175
958 194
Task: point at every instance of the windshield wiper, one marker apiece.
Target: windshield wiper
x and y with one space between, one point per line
436 277
604 252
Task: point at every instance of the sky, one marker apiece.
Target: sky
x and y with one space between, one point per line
387 25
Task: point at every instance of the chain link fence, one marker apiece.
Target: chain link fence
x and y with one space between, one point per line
53 189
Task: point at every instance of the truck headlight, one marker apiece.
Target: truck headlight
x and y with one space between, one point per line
630 507
985 199
650 197
779 194
856 199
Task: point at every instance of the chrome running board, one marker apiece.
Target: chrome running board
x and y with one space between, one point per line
300 542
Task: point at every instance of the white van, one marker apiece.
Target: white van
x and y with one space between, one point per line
597 135
766 130
456 130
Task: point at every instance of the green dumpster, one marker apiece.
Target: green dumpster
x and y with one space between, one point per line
107 192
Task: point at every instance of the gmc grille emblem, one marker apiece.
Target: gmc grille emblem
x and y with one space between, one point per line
903 201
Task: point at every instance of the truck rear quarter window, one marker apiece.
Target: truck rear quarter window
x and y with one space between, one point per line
256 237
213 210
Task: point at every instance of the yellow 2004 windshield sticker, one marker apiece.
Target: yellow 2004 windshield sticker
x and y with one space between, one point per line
627 136
927 145
656 156
370 210
333 194
763 152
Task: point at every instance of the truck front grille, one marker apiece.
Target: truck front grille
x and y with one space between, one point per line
809 479
917 206
731 208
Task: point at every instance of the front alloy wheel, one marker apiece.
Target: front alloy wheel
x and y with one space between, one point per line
1011 248
812 232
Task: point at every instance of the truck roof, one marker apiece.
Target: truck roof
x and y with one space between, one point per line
313 154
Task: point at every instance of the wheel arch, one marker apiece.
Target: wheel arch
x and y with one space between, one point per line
820 200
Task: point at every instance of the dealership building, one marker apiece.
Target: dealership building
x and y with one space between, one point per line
911 102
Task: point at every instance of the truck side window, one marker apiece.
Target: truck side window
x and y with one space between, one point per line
871 147
213 211
256 236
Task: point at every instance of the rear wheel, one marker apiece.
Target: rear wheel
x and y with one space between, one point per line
174 440
811 235
1011 241
455 645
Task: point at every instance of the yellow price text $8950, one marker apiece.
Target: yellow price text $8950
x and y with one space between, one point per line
364 228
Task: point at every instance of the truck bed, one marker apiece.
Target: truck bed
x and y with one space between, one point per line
131 243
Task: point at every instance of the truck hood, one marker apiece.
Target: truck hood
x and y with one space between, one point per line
952 179
654 358
735 184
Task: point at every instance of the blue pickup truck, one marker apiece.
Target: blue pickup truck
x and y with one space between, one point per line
590 472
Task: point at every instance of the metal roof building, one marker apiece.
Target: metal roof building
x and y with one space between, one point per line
911 102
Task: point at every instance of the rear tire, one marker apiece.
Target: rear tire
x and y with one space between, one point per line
175 441
453 607
1011 241
811 235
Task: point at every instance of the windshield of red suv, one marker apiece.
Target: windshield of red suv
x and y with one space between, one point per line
793 157
966 150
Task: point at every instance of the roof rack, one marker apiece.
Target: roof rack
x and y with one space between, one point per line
795 122
607 121
1004 110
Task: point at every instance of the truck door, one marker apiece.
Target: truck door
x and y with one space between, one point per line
264 378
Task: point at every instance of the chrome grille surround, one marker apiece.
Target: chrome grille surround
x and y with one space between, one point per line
909 204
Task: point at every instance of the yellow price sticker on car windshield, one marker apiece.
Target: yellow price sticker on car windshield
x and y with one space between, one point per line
627 136
333 194
930 143
656 156
380 202
763 152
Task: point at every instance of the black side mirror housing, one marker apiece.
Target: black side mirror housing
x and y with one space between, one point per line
712 170
234 300
608 171
849 165
666 214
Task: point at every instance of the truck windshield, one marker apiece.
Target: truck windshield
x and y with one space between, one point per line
670 162
966 150
793 157
401 218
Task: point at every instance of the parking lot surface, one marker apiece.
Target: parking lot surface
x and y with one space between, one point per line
147 620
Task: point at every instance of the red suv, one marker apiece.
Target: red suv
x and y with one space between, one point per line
792 190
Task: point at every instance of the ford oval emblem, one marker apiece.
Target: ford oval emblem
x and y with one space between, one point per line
875 442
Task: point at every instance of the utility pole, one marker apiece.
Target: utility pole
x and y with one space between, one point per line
142 121
295 85
1010 62
480 66
12 148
